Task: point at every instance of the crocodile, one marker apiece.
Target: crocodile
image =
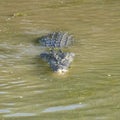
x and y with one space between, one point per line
58 60
57 40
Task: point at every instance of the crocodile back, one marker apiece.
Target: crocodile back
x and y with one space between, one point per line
57 40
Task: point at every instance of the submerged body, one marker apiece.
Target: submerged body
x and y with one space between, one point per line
56 39
59 61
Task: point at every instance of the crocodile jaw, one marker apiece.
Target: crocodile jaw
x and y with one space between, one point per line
62 71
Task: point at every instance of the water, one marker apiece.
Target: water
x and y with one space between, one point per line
29 90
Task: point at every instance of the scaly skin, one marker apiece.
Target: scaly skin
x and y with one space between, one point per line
59 61
56 40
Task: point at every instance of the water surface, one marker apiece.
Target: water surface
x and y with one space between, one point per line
29 90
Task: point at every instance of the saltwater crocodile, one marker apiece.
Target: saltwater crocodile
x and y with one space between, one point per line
57 40
58 60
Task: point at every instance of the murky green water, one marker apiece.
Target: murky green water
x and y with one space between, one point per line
29 90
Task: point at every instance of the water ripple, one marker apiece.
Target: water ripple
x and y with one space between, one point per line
2 92
60 108
20 115
4 111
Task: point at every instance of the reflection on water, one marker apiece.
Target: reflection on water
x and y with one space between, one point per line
28 87
4 111
61 108
20 115
2 92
